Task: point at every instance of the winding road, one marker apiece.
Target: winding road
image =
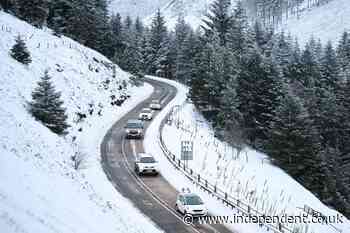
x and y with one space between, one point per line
154 196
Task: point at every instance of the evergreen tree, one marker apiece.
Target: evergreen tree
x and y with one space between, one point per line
218 20
46 106
88 23
238 39
201 61
329 68
293 144
20 52
159 43
59 16
259 93
182 34
281 53
33 11
117 35
7 5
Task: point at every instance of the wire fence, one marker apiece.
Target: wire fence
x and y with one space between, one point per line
211 189
46 44
230 201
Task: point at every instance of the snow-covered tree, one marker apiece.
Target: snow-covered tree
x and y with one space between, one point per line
20 52
33 11
218 20
46 106
159 43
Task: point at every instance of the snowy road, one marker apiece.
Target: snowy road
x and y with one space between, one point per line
154 196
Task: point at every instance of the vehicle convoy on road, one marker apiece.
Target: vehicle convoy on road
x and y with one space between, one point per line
146 164
190 203
146 114
155 105
134 129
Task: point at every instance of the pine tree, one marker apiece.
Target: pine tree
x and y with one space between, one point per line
20 52
238 40
293 143
59 15
259 93
7 5
117 35
46 106
159 43
281 53
182 34
218 20
329 68
33 11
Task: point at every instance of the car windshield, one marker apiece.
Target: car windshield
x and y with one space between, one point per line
146 110
134 125
147 160
155 102
193 200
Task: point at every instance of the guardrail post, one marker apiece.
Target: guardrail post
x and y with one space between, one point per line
237 202
199 178
174 158
215 189
179 162
206 183
225 196
191 171
248 209
280 228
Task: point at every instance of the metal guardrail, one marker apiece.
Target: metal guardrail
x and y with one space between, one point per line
213 190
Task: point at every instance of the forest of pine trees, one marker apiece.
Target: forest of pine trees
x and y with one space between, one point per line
257 87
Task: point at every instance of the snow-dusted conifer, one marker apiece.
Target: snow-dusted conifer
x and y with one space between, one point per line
46 106
20 52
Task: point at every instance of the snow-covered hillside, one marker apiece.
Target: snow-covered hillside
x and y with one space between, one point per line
246 175
134 8
326 22
40 191
192 10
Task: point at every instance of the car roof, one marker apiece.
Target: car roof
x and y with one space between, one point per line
148 109
134 121
155 101
144 155
185 194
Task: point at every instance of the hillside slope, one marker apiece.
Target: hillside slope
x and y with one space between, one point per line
40 191
326 22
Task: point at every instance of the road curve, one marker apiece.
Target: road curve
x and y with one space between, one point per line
154 196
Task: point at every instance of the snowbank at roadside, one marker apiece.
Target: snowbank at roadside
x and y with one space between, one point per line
40 191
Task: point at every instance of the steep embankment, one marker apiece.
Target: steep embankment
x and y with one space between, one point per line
40 191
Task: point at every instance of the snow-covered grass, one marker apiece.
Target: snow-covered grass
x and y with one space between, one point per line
40 191
326 22
246 175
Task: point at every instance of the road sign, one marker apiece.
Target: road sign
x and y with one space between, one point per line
186 150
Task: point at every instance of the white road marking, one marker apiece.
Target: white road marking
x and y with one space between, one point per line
133 147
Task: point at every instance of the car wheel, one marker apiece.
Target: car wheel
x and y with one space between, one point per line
177 208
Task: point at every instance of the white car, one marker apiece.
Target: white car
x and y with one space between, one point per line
146 114
146 164
134 129
190 203
155 105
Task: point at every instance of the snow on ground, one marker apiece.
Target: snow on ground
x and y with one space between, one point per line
40 191
271 190
326 22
